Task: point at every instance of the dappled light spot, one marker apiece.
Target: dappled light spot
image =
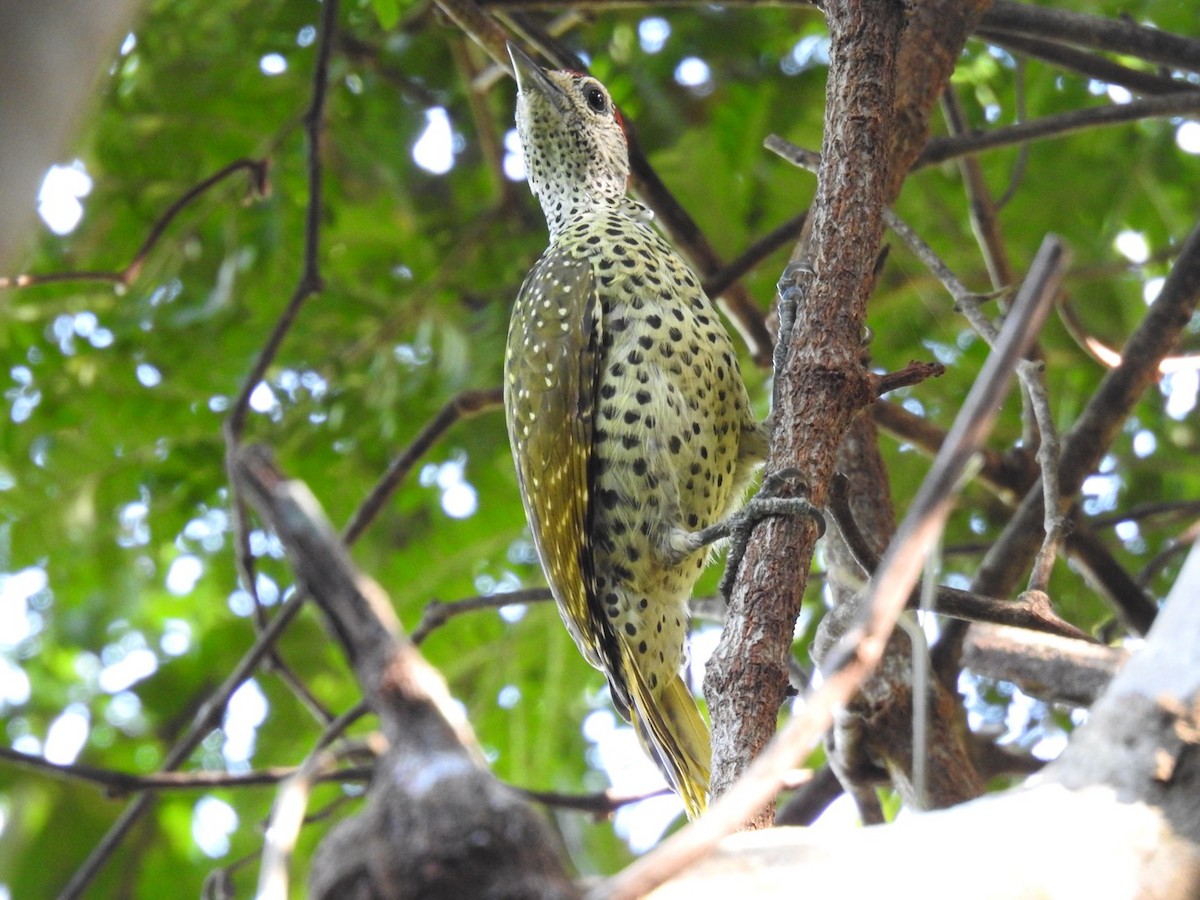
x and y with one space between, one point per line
1132 245
67 735
148 375
247 710
127 666
434 149
59 198
653 33
213 821
272 64
458 497
694 73
1180 389
19 619
1187 138
185 571
514 157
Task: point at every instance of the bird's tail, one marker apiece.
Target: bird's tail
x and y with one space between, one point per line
673 732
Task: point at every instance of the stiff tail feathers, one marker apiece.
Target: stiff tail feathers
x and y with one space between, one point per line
674 733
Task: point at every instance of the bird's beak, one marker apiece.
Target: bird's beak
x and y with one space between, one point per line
531 78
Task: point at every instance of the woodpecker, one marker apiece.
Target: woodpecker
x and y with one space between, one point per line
629 421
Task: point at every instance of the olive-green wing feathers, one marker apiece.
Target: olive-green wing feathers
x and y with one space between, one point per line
550 371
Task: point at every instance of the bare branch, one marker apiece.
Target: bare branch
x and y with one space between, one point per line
310 281
459 407
821 385
1089 65
283 826
980 205
914 373
1101 419
1032 610
438 613
941 149
1053 668
719 282
495 841
1118 35
601 804
259 186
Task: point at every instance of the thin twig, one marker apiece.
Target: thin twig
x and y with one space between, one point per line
460 406
1179 547
259 185
119 784
1089 65
913 373
601 804
283 828
310 701
438 613
1107 355
310 281
939 150
491 145
371 56
1021 114
1172 510
1032 610
1054 523
981 207
788 232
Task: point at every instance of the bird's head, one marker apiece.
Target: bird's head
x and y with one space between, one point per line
576 154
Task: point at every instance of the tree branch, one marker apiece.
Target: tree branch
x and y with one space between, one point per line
1055 669
1119 35
461 406
495 842
939 150
260 186
1032 610
438 613
1100 420
819 390
1089 65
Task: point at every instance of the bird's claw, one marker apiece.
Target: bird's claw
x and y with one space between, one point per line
793 285
765 503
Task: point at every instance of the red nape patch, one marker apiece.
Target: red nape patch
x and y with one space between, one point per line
620 121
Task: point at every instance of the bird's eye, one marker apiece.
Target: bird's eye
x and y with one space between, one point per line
596 99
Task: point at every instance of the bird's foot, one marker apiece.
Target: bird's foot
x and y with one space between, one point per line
765 503
792 287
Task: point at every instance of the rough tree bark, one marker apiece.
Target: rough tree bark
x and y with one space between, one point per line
822 386
436 823
1115 816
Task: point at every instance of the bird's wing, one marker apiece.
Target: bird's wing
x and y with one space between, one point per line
551 367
